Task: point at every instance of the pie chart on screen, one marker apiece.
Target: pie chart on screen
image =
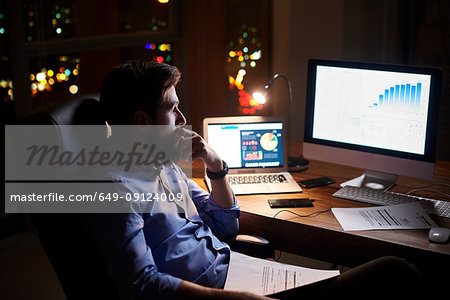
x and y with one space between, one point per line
269 141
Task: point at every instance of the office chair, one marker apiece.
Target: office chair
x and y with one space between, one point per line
70 247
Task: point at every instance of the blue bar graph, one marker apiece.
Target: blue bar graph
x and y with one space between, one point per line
391 95
397 90
419 90
400 96
407 94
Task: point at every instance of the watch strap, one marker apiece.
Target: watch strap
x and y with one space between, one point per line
218 175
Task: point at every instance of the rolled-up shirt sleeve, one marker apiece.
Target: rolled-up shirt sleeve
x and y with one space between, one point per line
224 222
121 240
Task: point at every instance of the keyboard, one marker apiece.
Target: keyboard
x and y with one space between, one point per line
249 179
379 197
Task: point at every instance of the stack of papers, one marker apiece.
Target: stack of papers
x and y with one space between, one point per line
265 277
402 216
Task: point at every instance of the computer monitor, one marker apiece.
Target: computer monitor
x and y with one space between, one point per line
382 118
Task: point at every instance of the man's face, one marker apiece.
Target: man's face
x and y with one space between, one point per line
168 112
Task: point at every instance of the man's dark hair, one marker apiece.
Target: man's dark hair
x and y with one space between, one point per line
135 86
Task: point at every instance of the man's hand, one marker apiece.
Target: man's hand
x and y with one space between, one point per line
221 189
193 146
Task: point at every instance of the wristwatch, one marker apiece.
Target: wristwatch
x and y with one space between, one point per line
218 175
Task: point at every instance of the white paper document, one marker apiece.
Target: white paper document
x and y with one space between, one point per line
402 216
265 277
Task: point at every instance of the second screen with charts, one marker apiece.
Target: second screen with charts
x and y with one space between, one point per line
375 108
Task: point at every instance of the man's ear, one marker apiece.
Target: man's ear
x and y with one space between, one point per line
141 118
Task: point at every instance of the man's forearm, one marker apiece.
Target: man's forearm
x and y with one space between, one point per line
222 192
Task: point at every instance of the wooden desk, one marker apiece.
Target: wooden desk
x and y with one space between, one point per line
321 237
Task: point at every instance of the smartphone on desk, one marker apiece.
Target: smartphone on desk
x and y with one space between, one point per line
286 203
309 183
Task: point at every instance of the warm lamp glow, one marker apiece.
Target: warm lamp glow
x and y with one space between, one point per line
73 89
259 97
296 163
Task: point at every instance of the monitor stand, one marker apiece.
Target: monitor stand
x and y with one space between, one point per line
374 180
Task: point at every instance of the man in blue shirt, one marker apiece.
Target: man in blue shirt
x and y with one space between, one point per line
170 249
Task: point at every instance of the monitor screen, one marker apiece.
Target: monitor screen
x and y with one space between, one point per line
248 145
378 112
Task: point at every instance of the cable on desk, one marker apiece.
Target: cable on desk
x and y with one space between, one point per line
279 256
439 183
298 215
428 190
302 216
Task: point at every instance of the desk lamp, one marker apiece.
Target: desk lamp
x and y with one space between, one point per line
294 163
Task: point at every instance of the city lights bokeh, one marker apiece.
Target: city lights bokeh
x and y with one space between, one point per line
243 56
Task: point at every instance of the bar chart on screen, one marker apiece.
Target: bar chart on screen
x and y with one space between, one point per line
395 115
405 97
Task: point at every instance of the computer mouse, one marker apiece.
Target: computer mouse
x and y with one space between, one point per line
439 235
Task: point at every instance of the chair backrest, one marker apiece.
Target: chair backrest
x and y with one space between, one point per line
83 110
69 246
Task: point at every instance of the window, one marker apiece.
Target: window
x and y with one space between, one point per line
248 23
69 50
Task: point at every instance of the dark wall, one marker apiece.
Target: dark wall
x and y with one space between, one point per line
412 32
